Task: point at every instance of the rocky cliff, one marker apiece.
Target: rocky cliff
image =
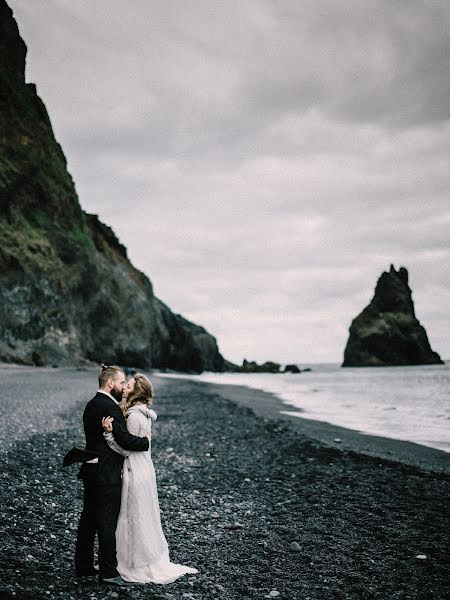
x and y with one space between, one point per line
387 331
68 292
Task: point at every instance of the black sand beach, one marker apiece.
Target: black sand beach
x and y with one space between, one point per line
236 489
269 406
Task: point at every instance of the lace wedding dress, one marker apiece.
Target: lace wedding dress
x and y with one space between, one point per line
142 550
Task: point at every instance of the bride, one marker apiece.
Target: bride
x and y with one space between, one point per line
142 550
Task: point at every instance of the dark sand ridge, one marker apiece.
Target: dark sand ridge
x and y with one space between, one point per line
235 491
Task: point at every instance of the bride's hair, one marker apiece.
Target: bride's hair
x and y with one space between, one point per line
142 392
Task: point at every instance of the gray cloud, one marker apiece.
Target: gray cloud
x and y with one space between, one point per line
262 161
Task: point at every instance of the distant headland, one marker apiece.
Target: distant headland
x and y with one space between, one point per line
266 367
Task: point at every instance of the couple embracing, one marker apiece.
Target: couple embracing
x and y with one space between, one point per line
120 495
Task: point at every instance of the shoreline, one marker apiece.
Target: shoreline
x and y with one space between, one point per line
269 406
266 405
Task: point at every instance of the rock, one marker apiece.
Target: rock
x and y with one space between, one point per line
387 331
253 367
338 440
65 277
274 594
421 556
291 369
233 525
294 547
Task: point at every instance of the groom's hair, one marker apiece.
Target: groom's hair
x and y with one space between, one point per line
108 372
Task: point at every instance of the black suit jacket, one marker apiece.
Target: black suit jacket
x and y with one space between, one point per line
108 471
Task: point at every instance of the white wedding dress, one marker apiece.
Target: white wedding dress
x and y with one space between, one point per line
142 550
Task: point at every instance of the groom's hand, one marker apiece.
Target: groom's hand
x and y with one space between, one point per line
107 424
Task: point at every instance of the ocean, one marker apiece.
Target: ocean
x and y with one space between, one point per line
403 403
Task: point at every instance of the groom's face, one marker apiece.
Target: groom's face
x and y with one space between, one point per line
118 385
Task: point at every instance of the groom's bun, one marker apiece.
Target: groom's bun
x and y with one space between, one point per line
107 372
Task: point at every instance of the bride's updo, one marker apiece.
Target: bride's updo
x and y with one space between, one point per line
142 392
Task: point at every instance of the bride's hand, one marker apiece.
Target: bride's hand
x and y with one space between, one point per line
107 424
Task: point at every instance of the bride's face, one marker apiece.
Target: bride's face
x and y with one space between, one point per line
128 388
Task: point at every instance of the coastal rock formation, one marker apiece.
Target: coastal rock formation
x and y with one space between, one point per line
267 367
68 292
387 331
295 369
253 367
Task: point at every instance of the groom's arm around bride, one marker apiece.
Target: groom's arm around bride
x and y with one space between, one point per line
109 465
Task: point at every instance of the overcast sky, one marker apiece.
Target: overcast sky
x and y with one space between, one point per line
263 161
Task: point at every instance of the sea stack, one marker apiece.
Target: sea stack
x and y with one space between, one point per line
387 332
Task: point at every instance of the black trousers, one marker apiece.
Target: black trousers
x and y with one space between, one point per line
101 509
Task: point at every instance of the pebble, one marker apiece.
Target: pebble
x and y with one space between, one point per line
294 547
233 525
421 556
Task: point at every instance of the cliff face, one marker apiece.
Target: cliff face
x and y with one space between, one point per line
387 331
68 291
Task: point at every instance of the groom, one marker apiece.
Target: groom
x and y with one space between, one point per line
102 478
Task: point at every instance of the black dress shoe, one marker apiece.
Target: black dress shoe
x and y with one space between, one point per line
115 581
92 572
